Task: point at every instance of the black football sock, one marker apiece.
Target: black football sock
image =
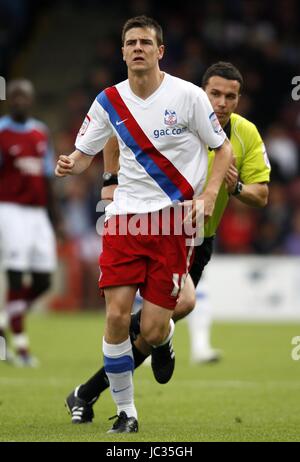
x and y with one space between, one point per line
135 327
138 356
91 390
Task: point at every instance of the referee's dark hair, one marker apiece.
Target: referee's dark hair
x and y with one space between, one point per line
223 69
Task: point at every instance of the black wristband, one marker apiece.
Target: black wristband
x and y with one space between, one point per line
110 179
238 189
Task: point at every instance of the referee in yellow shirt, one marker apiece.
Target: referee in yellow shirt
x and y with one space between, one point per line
247 180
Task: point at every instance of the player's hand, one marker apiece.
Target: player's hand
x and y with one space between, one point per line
107 192
209 201
201 205
64 166
231 178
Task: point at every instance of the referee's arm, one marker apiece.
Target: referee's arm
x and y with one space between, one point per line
255 194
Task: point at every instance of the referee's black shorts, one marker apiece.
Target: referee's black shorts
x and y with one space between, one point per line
201 258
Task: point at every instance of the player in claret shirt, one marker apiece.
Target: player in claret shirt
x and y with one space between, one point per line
163 125
26 236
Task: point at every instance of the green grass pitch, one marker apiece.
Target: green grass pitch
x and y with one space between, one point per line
252 395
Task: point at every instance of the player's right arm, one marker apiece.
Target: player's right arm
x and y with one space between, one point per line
74 164
92 137
111 154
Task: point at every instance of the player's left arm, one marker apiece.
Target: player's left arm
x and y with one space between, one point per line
204 122
222 161
208 197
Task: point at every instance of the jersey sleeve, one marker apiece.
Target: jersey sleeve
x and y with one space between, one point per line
95 131
204 121
256 167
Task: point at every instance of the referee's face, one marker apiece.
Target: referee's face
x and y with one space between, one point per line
224 97
141 51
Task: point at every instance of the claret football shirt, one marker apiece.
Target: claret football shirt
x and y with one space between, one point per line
26 161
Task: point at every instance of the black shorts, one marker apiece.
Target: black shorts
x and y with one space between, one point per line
202 255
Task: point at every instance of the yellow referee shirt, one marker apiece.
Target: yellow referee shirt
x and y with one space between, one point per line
252 163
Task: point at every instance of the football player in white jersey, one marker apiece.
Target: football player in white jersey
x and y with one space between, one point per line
163 125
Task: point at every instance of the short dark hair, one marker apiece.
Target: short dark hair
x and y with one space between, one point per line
21 86
143 21
223 69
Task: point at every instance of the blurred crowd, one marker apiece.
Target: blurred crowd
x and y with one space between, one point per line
263 40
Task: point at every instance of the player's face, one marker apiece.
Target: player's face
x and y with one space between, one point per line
141 51
20 103
224 97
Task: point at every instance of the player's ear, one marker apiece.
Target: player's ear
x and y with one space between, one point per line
161 51
123 53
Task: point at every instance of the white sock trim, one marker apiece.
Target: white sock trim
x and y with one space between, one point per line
15 308
3 320
116 351
129 409
20 341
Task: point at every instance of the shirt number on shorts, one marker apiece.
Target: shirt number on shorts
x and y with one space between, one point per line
178 282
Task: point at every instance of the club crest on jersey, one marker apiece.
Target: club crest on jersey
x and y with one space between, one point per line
170 118
84 126
215 123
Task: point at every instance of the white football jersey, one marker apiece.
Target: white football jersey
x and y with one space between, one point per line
163 142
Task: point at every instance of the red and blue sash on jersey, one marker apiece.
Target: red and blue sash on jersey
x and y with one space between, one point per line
163 172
